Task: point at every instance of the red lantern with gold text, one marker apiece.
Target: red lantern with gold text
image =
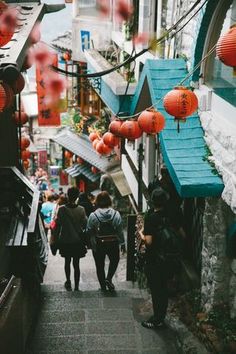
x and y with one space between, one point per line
20 118
130 130
94 169
110 139
180 103
151 122
25 154
93 136
26 164
226 47
102 148
115 126
68 154
24 143
6 96
79 160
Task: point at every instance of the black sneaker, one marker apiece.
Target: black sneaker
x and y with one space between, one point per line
110 285
150 324
67 285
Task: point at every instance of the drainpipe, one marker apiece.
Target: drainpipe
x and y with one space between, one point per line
159 17
140 177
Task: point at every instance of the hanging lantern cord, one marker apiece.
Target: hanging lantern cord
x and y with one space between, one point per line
178 127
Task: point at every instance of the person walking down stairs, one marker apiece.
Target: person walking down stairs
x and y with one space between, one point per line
71 221
105 231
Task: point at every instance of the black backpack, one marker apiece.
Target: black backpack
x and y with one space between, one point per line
106 231
169 247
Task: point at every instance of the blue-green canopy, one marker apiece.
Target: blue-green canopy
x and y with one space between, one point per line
185 153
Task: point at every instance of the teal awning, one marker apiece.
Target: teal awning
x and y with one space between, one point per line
184 153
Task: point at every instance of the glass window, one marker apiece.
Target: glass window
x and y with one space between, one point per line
220 77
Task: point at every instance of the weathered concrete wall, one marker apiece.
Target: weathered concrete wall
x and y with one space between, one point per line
218 282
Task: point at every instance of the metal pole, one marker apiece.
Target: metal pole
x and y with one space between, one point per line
140 177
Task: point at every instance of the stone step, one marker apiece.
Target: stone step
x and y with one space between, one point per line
91 285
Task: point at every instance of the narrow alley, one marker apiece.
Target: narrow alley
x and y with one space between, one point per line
91 322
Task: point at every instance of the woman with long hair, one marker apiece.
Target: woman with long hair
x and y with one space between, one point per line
71 221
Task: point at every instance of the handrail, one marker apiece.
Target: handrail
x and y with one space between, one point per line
35 197
6 291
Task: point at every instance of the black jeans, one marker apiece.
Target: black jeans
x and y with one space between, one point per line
111 249
157 281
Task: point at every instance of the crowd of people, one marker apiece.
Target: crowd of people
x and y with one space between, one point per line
78 222
73 221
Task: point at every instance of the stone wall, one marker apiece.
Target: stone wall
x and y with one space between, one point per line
218 278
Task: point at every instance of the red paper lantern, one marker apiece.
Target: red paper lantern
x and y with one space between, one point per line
80 161
110 139
24 143
102 148
151 122
66 56
68 154
180 103
95 142
94 169
25 154
6 96
115 126
226 47
93 136
19 84
26 164
20 118
130 130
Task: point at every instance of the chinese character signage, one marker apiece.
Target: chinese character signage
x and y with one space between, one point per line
47 116
42 158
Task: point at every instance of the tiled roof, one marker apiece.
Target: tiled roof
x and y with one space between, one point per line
82 147
184 153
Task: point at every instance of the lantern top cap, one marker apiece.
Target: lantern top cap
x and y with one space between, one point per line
180 88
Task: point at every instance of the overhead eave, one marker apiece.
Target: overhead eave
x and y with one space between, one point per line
184 153
30 13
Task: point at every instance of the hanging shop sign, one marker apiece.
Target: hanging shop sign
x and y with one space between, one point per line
47 115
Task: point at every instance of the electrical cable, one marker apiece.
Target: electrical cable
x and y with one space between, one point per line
179 84
131 58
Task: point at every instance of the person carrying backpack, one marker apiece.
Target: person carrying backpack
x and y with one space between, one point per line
163 251
104 229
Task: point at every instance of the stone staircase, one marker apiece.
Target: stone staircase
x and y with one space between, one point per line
90 322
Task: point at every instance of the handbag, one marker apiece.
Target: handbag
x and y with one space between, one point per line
53 243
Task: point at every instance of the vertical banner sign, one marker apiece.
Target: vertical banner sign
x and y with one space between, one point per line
42 158
47 116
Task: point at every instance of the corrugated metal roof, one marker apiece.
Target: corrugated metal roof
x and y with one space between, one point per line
77 170
81 146
184 153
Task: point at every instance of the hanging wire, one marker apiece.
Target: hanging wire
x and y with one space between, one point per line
179 84
132 58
